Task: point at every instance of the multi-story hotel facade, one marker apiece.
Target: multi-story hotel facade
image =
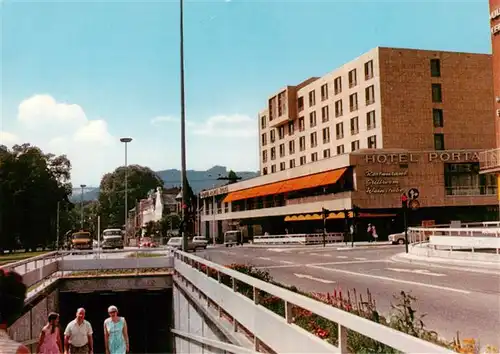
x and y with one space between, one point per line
387 122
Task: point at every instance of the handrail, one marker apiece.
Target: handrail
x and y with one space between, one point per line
383 334
29 260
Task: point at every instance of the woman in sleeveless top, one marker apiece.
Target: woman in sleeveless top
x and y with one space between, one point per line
50 338
115 333
12 295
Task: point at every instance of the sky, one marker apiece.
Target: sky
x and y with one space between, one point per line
78 75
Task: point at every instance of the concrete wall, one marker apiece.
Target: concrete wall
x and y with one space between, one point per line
191 320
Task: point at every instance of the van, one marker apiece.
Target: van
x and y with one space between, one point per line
232 238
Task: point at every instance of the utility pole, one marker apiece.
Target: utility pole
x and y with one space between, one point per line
214 211
404 205
82 186
355 211
185 195
325 213
126 141
57 226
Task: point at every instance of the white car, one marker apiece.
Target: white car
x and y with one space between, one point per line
397 239
200 242
176 242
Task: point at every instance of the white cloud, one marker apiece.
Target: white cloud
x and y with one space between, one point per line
8 139
163 119
227 126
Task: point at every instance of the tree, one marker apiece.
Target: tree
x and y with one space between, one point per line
232 177
141 180
169 222
32 185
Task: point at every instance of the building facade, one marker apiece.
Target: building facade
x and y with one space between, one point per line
387 122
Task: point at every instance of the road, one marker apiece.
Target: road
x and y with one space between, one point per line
453 300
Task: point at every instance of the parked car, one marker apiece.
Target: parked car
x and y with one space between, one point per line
176 242
200 242
147 242
397 239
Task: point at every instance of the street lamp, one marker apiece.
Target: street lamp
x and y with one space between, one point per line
183 131
82 186
126 141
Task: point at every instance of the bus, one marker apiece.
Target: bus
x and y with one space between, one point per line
112 238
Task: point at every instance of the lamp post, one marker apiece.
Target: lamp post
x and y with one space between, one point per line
125 141
82 186
183 131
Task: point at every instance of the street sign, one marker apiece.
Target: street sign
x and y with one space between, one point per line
414 204
413 193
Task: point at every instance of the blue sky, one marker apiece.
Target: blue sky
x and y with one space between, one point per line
78 75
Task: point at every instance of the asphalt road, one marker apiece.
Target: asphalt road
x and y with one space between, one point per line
453 300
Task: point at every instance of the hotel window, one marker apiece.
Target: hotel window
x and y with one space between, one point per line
354 126
353 102
282 150
371 122
338 108
437 95
435 68
312 98
282 166
340 150
281 132
273 153
354 145
339 128
302 125
326 135
291 128
264 171
437 116
372 142
264 139
273 169
326 153
337 85
302 160
263 122
273 136
291 147
438 141
302 143
324 114
464 179
264 156
312 119
324 92
370 95
353 80
314 139
300 104
369 70
314 157
291 163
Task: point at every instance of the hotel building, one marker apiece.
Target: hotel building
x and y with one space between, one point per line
387 122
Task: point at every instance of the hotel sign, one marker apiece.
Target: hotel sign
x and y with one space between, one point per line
384 182
493 16
215 191
405 158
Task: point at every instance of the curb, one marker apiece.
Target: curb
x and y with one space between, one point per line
463 266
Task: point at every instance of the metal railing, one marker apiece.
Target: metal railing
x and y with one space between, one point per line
219 286
302 239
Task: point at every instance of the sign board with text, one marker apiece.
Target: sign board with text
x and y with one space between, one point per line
434 156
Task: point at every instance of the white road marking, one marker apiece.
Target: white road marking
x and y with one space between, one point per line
313 278
390 279
286 262
342 257
265 258
417 271
360 258
319 264
314 254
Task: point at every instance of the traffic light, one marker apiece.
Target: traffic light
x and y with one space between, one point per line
325 212
404 201
355 210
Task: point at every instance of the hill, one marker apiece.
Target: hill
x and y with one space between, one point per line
199 180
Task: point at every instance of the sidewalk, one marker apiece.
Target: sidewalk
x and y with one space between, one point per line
456 264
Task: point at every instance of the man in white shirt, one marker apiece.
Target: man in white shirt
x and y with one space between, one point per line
78 335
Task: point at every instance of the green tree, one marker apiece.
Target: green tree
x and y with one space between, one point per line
141 180
169 222
32 185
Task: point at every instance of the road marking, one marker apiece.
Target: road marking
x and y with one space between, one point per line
313 278
417 271
342 257
360 258
265 258
319 264
314 254
390 279
286 262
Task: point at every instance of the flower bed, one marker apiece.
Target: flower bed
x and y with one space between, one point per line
403 316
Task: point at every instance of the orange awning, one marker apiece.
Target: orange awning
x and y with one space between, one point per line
290 185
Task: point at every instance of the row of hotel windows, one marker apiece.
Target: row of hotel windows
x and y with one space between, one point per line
371 142
370 124
435 68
